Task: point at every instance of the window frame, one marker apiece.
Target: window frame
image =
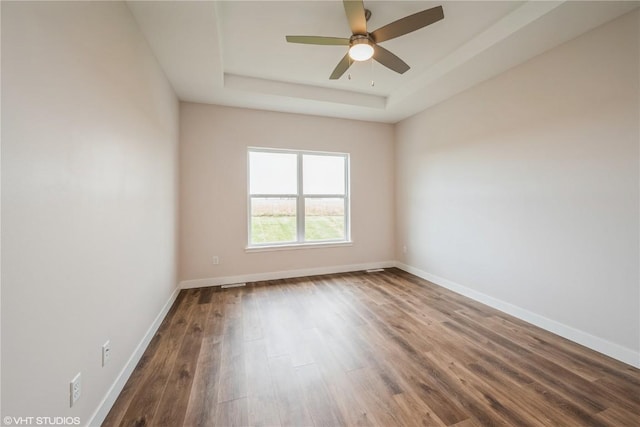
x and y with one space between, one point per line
300 199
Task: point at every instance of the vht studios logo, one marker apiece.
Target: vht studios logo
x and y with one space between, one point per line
40 421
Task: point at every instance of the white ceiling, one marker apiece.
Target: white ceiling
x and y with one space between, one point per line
234 52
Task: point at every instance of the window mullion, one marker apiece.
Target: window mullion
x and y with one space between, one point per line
347 198
300 203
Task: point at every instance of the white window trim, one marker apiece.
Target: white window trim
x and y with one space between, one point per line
295 246
300 204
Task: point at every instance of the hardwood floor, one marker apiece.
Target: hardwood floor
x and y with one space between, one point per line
386 349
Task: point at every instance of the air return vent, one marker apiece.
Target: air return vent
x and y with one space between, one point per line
233 285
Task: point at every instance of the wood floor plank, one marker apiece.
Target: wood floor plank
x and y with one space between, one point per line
200 410
618 416
291 406
476 383
378 401
261 399
531 341
175 399
233 381
263 411
205 295
413 411
276 321
318 400
572 410
144 404
251 320
142 370
295 323
347 395
545 370
298 293
507 377
206 380
365 349
232 413
520 397
421 380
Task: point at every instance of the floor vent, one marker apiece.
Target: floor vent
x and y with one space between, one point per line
375 270
233 285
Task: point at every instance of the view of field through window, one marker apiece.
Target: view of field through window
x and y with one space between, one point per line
275 189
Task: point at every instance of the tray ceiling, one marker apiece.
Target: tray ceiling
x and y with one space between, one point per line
234 52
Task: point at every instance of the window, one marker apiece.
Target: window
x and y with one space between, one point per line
297 197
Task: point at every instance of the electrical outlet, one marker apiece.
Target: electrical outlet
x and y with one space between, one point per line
106 353
75 389
216 260
404 249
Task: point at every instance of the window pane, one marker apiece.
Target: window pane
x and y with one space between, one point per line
273 173
324 219
323 174
273 220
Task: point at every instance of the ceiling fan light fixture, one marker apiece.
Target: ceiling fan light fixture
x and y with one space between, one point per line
363 45
361 49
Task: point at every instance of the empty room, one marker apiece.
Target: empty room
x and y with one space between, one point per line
320 213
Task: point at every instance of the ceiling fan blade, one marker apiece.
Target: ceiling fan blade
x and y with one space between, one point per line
340 69
328 41
389 60
408 24
356 16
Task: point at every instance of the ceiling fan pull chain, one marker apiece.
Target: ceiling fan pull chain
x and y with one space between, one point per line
373 82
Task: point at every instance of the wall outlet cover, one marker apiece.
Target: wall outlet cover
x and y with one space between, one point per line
106 353
75 389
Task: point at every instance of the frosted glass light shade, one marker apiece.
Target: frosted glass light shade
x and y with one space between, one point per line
361 51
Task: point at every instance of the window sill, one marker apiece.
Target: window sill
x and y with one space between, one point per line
295 246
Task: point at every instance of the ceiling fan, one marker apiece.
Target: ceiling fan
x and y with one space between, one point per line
363 45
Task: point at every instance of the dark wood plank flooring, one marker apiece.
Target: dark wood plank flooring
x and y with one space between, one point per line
383 349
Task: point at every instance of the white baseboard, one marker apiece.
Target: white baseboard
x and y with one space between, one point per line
286 274
600 345
107 402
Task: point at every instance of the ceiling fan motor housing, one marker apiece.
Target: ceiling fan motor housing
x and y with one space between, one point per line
360 39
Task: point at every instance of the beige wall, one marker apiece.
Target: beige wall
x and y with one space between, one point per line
213 188
524 189
89 167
